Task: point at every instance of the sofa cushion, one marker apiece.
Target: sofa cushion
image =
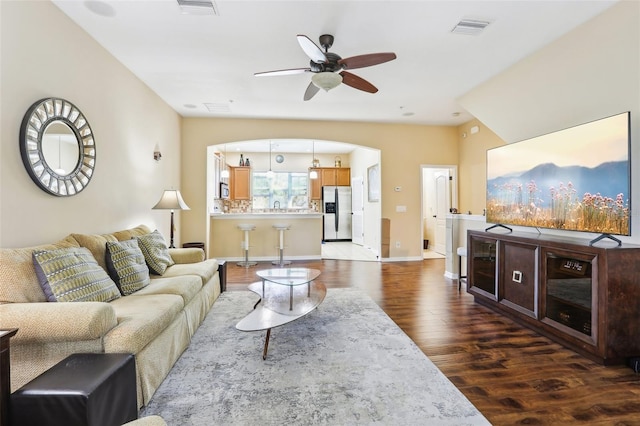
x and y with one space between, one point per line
96 245
205 270
73 275
18 280
128 234
140 320
187 255
126 266
155 252
186 286
50 323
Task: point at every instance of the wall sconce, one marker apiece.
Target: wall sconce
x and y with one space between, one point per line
156 153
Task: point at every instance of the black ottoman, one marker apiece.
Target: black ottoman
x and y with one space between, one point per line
82 389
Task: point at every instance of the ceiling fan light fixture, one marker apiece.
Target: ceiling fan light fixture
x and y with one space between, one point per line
326 80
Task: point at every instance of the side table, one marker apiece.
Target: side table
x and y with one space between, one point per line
5 374
222 273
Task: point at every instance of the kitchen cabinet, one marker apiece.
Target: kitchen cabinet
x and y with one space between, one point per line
582 296
240 183
315 185
328 176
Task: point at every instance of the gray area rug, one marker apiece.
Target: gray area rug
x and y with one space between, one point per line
346 363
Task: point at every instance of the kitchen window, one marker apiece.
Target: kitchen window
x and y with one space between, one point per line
285 190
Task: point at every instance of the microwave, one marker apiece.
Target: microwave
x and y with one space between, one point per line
224 191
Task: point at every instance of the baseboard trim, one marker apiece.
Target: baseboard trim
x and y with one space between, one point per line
451 275
269 258
402 259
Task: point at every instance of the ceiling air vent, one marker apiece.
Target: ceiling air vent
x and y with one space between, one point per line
198 7
470 27
217 107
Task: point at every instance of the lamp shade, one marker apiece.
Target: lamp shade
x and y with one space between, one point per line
171 200
326 80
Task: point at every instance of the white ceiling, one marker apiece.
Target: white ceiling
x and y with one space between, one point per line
191 60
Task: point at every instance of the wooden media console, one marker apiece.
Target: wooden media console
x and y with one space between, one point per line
585 297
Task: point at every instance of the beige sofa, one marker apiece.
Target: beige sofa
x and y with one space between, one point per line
154 323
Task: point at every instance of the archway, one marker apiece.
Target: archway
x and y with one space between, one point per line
297 155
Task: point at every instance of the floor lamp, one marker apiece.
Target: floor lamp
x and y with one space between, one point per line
171 200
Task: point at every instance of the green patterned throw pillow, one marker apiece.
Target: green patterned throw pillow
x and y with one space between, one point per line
155 252
73 275
126 266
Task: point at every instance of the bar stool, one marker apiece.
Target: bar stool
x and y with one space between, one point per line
281 229
462 252
245 244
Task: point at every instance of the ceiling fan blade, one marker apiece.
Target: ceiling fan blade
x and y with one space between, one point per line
311 49
312 89
357 82
290 71
368 60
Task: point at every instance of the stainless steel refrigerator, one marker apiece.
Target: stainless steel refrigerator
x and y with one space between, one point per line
336 209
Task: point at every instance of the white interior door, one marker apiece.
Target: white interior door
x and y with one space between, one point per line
443 203
357 207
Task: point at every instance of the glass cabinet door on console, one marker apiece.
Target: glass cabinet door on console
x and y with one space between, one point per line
569 292
481 275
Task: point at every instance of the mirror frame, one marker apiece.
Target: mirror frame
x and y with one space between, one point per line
34 125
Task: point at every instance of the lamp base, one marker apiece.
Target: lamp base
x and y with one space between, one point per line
171 241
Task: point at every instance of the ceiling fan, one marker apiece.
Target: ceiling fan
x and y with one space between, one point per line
329 68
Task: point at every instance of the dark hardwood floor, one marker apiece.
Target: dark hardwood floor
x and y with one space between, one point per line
510 373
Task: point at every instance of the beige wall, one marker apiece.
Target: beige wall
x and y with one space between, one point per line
44 54
590 73
472 165
403 147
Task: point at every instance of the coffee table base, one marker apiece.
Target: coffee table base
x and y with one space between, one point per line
266 344
280 306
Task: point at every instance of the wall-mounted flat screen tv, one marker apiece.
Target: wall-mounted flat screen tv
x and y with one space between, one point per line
576 179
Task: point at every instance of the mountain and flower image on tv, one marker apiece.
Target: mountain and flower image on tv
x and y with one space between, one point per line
577 179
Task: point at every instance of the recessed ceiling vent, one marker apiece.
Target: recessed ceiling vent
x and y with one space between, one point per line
198 7
470 27
217 107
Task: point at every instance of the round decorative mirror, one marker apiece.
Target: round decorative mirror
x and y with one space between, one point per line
57 147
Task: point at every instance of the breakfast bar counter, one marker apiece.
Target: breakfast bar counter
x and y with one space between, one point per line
303 239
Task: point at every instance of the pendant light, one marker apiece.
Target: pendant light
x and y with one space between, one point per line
225 172
313 174
270 172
